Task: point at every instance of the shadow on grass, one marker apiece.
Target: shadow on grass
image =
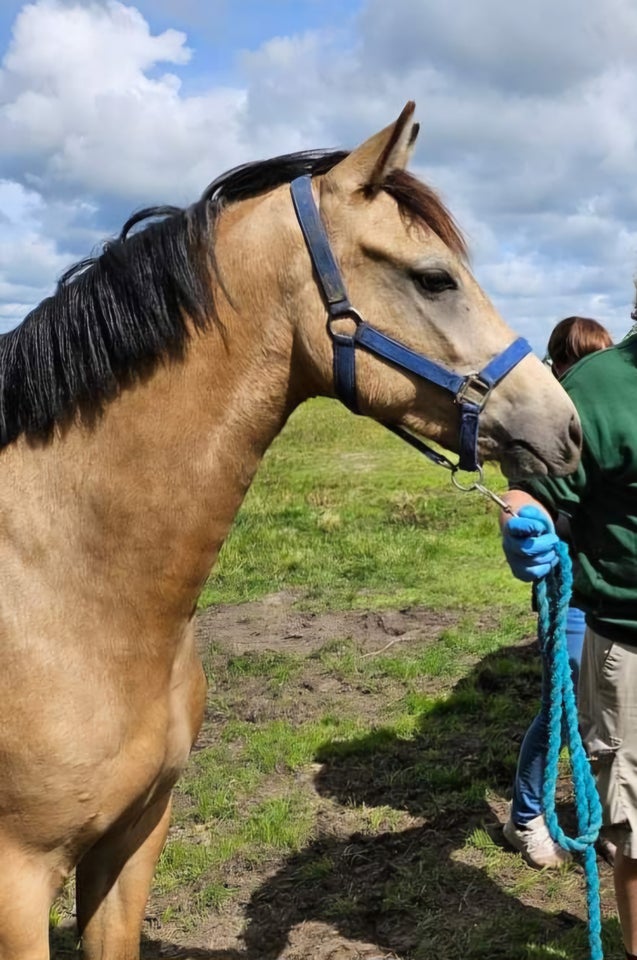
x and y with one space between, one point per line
423 893
409 891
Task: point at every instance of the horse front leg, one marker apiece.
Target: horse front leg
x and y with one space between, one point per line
113 883
28 885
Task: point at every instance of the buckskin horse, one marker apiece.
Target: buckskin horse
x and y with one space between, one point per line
135 406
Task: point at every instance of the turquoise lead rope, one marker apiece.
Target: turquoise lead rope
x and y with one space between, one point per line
553 596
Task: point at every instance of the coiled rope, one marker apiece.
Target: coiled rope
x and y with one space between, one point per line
553 597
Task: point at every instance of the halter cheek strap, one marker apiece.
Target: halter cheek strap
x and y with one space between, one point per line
332 287
470 391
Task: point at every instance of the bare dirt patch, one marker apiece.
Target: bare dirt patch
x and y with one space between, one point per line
403 884
275 624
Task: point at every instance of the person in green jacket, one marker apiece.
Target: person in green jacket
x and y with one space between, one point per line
571 340
600 502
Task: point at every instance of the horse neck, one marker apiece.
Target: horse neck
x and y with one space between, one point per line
203 441
144 498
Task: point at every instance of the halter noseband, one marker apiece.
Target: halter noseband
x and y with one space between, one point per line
471 391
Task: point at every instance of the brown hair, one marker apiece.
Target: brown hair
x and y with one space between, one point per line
574 338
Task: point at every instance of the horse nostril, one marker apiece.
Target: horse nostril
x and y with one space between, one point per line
575 431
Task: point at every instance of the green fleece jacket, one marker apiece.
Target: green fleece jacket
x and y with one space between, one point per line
600 498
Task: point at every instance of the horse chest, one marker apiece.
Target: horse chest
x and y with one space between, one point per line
112 750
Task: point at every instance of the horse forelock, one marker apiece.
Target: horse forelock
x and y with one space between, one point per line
419 202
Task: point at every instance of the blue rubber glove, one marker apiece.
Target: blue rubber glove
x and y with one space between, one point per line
529 541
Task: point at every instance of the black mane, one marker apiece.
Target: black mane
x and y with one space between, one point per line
114 316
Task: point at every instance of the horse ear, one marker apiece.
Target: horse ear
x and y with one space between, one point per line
367 167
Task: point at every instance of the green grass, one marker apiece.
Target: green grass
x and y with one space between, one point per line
351 517
194 859
275 666
280 745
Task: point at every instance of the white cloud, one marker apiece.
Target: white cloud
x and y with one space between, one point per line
529 120
68 49
90 128
82 109
29 261
541 47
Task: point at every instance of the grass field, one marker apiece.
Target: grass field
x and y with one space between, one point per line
352 517
371 674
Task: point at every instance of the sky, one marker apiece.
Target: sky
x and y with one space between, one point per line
528 119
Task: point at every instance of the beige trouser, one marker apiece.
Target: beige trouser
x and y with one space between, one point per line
607 698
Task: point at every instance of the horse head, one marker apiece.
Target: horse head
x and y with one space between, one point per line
403 263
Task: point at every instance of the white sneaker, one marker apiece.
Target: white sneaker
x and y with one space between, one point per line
535 843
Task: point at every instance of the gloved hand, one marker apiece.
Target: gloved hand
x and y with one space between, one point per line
529 541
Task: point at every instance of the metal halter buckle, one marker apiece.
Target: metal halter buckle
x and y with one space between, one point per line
474 390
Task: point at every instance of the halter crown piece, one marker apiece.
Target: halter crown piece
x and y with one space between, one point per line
470 391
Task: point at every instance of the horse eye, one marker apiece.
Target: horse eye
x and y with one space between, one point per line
435 281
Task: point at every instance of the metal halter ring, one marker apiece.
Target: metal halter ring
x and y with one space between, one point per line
468 487
348 314
479 487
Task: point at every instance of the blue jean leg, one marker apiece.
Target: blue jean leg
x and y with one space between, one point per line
527 787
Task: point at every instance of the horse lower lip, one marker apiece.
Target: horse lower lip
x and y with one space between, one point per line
525 460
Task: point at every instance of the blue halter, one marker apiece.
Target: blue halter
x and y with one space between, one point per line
471 391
